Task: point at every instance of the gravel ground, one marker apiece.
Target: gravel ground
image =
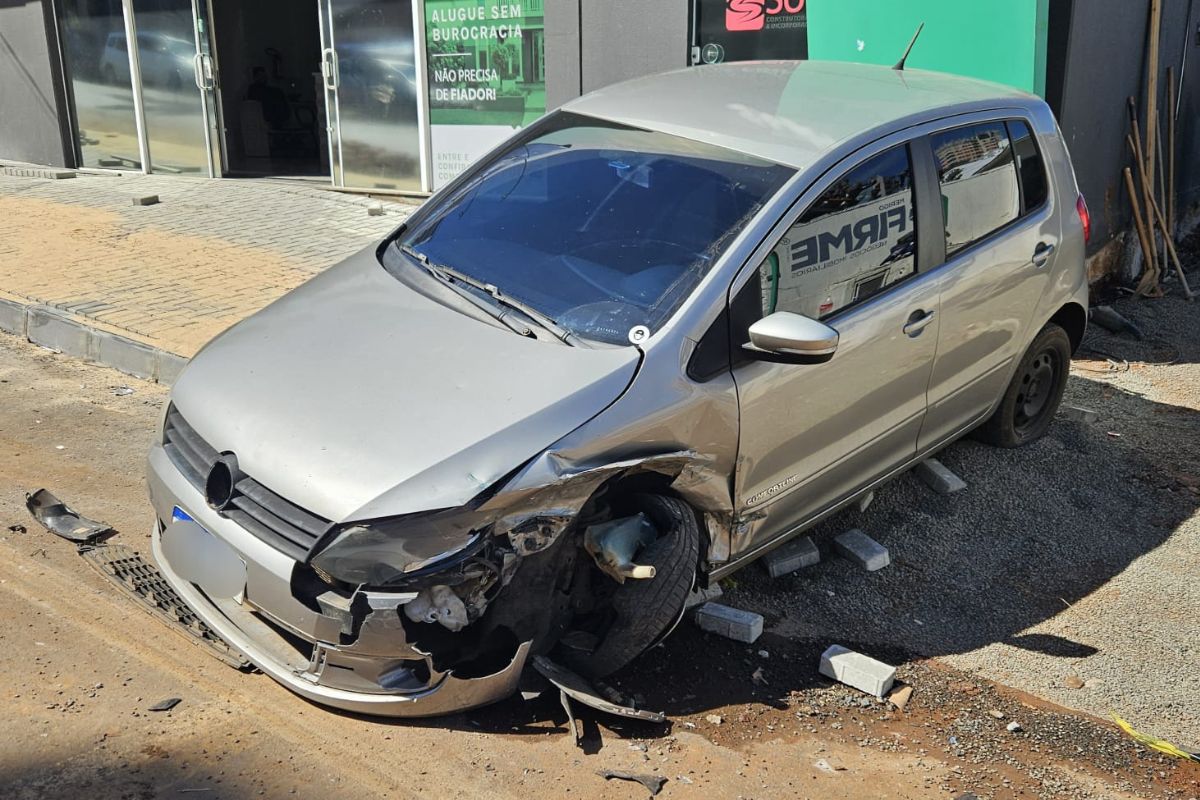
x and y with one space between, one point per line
1071 560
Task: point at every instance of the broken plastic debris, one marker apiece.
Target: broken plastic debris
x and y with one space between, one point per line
61 520
614 545
653 783
166 705
575 686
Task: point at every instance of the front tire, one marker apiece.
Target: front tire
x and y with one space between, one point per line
1033 396
647 610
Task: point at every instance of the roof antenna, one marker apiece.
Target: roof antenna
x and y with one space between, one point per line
900 64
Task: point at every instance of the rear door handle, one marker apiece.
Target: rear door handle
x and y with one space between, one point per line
1042 253
917 322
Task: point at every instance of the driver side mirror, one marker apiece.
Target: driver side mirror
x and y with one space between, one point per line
788 338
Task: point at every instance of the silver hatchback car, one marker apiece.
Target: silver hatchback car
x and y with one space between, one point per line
648 339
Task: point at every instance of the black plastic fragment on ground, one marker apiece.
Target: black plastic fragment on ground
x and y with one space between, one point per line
166 705
61 520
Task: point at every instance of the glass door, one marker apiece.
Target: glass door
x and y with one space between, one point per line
178 77
98 75
372 93
205 73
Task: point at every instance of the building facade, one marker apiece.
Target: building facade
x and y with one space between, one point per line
400 95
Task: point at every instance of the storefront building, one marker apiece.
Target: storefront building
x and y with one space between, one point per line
374 94
401 95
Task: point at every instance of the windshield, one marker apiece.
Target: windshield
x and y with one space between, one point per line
600 227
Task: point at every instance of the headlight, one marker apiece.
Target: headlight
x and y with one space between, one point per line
395 551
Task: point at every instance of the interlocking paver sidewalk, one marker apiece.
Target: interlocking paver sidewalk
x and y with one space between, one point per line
174 274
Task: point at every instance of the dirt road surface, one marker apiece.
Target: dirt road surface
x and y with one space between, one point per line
80 665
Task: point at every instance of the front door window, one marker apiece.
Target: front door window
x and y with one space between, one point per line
857 239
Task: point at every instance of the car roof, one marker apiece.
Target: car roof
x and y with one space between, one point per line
790 112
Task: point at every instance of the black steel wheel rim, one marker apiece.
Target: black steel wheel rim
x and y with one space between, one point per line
1037 383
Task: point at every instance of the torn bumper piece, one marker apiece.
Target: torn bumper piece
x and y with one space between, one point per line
379 674
61 520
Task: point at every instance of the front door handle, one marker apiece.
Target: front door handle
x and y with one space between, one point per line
917 322
1041 254
329 70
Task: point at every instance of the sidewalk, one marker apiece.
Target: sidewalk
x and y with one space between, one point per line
86 271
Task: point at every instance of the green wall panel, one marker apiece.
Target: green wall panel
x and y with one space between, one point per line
1000 41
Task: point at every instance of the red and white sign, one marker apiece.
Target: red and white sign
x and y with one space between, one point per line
755 15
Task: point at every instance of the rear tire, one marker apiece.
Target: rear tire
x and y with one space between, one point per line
1028 406
646 610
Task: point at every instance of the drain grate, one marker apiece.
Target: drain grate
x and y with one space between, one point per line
142 581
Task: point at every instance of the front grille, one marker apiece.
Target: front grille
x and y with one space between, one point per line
278 522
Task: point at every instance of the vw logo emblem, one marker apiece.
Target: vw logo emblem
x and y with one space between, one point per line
223 476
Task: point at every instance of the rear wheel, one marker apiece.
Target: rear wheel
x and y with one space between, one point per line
1033 396
645 611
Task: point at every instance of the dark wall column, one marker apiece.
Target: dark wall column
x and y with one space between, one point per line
1097 60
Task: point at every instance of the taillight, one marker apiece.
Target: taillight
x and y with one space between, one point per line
1085 218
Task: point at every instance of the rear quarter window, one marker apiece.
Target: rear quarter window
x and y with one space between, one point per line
1032 170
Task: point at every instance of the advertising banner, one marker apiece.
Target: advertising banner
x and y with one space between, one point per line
748 30
486 76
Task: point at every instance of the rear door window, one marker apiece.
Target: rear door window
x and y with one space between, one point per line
978 177
857 239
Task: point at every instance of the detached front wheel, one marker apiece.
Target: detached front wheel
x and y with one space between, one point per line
645 611
1033 396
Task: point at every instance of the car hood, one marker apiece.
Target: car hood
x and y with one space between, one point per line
356 397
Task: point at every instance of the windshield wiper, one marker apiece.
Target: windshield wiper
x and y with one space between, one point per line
493 310
451 275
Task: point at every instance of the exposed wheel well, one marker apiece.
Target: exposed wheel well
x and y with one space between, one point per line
1072 318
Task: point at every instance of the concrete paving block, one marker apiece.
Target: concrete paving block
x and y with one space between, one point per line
375 210
1076 414
169 366
130 357
700 596
789 557
732 623
856 546
12 317
55 331
145 200
854 669
938 477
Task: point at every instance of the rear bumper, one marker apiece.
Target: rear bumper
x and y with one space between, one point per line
378 673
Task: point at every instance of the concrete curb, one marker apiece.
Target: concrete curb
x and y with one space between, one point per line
55 330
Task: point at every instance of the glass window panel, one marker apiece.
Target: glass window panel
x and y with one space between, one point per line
377 93
854 241
1034 187
978 182
174 110
97 65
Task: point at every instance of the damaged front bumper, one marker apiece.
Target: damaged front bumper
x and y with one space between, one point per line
348 653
